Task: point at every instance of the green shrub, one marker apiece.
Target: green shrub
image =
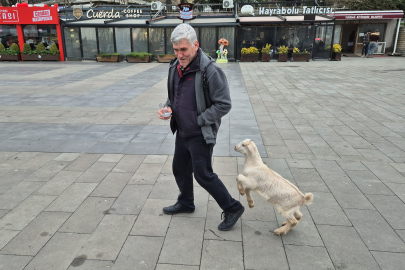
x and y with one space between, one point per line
15 49
140 55
54 49
41 49
108 54
2 47
163 55
26 48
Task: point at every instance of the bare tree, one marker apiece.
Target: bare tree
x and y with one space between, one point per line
8 3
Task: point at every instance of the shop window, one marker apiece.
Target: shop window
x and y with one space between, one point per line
338 31
208 41
106 40
36 33
8 35
89 42
323 42
228 33
123 40
139 39
156 41
72 42
363 28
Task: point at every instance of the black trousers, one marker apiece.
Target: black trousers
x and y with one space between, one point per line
193 155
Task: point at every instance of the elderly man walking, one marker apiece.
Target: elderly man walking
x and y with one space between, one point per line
198 97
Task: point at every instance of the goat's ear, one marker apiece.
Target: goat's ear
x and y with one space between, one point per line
250 141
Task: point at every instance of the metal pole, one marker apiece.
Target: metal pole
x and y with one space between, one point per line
333 37
396 38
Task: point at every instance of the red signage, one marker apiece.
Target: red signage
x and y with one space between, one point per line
367 16
29 15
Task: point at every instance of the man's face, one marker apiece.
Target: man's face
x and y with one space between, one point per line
185 52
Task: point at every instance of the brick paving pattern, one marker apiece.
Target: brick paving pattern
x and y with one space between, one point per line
85 168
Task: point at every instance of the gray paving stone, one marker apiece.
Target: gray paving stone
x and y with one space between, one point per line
152 214
106 241
369 224
389 207
6 236
327 211
262 249
87 217
81 263
368 183
398 189
13 262
59 252
33 237
183 241
174 267
389 261
58 184
83 162
354 256
308 257
385 172
146 174
25 212
97 172
140 252
131 200
17 194
308 180
72 197
222 255
41 175
112 185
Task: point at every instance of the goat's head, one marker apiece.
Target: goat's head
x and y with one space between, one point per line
245 146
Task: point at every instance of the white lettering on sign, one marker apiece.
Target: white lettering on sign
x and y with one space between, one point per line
102 15
42 16
294 10
9 16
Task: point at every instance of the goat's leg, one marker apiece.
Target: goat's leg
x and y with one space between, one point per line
297 215
291 222
240 187
249 198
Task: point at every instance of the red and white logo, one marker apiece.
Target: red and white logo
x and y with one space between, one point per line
8 15
42 15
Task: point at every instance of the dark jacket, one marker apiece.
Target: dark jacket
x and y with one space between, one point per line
218 103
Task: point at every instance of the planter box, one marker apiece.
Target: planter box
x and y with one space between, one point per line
249 57
337 56
301 57
266 57
165 59
131 59
112 58
37 57
7 57
282 57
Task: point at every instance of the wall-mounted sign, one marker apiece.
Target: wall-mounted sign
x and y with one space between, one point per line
29 15
186 11
305 10
109 13
369 15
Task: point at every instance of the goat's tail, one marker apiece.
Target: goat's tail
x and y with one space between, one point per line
308 197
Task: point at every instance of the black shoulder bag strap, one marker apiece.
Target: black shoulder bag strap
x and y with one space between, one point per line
206 89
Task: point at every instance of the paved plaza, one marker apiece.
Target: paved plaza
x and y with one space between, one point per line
85 168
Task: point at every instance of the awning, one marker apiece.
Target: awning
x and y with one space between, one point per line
196 22
368 15
260 19
102 22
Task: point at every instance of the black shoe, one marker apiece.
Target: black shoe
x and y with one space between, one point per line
230 219
177 209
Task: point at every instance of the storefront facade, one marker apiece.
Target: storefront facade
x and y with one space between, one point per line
30 25
352 25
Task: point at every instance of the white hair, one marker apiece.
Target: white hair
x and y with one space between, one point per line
184 31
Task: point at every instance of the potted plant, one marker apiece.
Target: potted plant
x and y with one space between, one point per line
10 54
139 57
299 56
40 53
108 57
337 52
249 54
165 58
282 54
266 57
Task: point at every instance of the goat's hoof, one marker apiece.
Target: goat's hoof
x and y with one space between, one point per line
280 231
251 205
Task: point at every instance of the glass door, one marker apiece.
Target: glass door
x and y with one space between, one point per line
123 41
72 42
89 42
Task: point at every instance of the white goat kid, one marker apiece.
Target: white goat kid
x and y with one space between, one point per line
280 192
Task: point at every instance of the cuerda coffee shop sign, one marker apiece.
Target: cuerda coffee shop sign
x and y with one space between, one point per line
303 10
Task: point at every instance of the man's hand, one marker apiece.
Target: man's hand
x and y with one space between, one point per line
164 110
